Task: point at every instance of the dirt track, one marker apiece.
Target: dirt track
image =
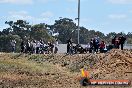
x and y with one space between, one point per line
63 71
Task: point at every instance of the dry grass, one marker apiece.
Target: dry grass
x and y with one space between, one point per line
24 72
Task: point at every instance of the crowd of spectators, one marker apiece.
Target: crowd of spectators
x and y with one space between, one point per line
36 47
96 45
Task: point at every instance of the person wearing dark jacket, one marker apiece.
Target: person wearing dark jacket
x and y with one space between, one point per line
96 44
122 40
69 43
28 48
22 47
91 46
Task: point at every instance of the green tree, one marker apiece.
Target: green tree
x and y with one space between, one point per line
39 32
65 27
5 42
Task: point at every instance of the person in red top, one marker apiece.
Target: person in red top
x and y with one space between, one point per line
117 43
102 46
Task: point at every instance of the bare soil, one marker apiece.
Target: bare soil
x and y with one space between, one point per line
63 71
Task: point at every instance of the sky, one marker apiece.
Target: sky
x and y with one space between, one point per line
100 15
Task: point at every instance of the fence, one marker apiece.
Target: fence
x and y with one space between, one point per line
62 48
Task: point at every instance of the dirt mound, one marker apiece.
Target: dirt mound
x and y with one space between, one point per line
62 71
115 64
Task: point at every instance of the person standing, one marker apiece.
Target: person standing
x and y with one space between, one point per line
38 47
22 47
114 42
41 47
69 44
122 40
96 44
117 44
87 47
50 47
28 47
34 44
56 48
13 45
91 46
102 47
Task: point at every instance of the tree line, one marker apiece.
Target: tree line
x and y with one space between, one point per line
22 30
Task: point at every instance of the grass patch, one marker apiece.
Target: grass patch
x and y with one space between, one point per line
23 64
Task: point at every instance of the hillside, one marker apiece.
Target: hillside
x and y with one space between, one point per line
62 71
